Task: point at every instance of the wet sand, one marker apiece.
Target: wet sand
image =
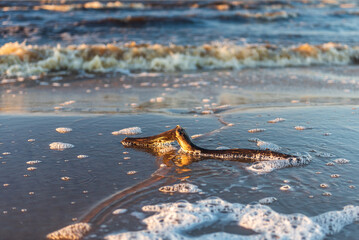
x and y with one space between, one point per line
57 188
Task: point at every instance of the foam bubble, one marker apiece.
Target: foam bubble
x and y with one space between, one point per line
285 188
63 130
74 232
65 178
174 220
267 146
180 188
60 145
119 211
269 166
267 200
341 161
33 162
300 128
255 130
128 131
276 120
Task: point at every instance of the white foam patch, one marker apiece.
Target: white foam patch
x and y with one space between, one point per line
222 148
196 136
119 211
63 130
255 130
180 188
33 162
165 148
267 145
174 220
267 200
128 131
276 120
341 161
269 166
74 232
60 145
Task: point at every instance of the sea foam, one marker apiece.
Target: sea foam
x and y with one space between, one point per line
269 166
74 232
22 60
60 145
175 220
128 131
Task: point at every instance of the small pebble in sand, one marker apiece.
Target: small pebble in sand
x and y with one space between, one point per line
335 176
63 129
131 172
255 130
65 178
31 168
82 156
285 188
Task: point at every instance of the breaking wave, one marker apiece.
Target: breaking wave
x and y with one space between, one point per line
21 60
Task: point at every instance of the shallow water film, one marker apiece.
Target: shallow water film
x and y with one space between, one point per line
78 77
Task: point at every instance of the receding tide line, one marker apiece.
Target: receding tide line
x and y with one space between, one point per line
97 215
22 60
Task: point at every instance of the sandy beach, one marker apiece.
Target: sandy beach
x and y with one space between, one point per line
49 189
77 77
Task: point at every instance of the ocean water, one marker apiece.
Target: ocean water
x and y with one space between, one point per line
77 77
61 37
